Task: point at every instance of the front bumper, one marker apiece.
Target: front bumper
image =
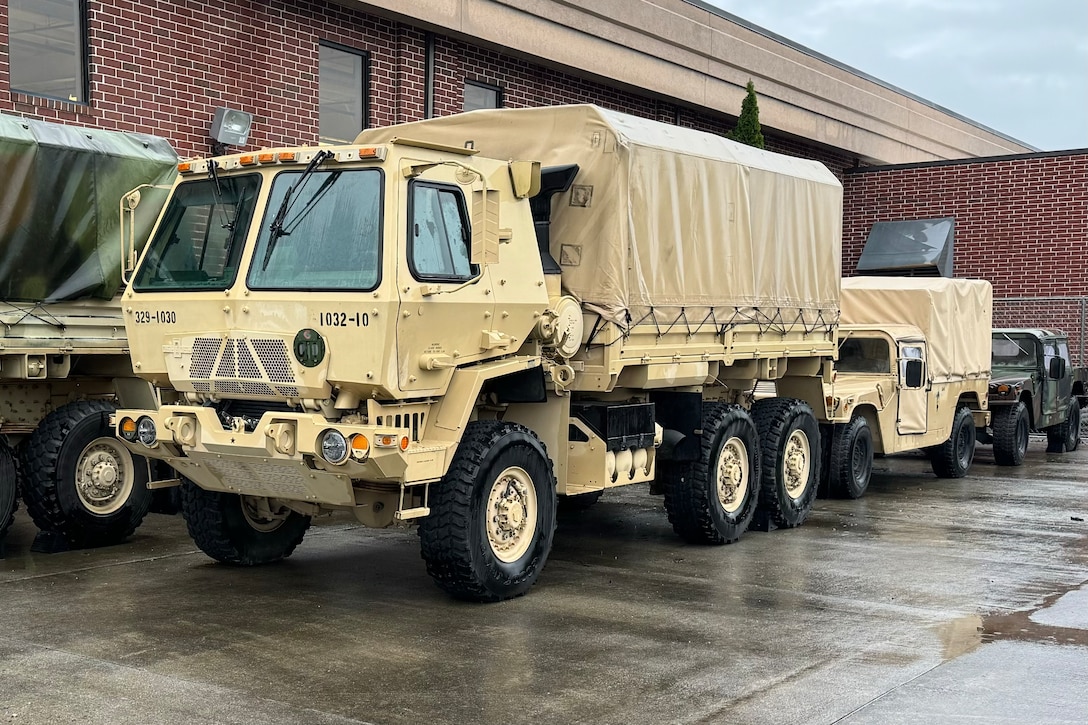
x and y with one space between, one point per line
280 457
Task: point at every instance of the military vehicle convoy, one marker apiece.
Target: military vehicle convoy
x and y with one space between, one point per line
1034 387
428 326
909 375
63 354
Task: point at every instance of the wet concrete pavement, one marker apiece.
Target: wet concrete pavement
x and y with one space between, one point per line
927 601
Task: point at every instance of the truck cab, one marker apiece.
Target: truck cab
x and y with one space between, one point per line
1033 387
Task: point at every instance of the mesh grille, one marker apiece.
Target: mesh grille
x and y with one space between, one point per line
287 390
205 350
202 386
227 386
256 389
226 368
247 366
273 357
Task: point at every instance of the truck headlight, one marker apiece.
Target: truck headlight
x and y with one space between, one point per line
145 431
334 447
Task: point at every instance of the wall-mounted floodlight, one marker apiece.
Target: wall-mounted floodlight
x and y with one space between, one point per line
230 127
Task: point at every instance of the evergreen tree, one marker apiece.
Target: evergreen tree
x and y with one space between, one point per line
748 130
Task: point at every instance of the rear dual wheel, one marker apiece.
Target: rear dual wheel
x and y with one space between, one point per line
790 467
712 500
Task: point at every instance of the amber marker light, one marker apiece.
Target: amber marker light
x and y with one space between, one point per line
368 152
360 447
185 167
247 160
128 429
288 156
266 158
404 443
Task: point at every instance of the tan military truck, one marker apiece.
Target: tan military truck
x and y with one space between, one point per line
64 360
912 373
427 326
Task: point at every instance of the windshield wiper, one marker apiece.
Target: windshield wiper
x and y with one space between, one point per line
213 173
276 228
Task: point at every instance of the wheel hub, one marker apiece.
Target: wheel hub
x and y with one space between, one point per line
732 474
796 463
103 477
511 514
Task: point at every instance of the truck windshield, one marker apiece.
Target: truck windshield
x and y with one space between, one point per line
329 237
1014 351
198 244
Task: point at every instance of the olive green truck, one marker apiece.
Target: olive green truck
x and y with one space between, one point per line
64 362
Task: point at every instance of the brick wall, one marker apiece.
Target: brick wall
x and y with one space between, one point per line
1021 222
162 67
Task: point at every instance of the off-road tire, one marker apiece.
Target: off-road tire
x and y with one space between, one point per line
851 463
1065 437
952 459
1011 428
693 500
50 458
778 420
9 487
579 501
219 526
454 538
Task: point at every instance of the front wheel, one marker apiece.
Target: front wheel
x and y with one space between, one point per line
851 459
79 480
1011 434
492 516
240 530
952 459
1065 437
712 500
9 485
790 447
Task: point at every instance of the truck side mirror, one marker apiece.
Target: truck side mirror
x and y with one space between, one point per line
129 202
1057 368
912 373
485 227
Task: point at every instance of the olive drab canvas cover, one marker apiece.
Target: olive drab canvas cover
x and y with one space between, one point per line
665 223
59 207
954 314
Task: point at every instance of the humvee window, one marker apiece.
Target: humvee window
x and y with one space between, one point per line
200 240
329 237
864 355
1014 351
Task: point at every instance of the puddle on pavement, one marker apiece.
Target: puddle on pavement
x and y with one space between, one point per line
965 634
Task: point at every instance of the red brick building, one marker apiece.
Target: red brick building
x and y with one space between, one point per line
1021 221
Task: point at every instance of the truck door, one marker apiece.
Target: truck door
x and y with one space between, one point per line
913 388
446 301
1056 391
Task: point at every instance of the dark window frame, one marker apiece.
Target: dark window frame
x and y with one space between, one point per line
269 212
466 220
84 40
240 241
365 55
500 96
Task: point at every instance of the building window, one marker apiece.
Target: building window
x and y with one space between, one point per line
481 95
343 84
48 48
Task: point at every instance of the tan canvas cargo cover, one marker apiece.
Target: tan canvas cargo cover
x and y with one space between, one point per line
664 220
954 314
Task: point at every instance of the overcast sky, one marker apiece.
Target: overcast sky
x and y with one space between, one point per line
1017 66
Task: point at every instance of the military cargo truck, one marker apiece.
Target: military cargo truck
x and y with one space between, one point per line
63 354
427 326
912 373
1034 387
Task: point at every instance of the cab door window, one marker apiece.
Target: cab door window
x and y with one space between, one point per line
438 233
912 366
